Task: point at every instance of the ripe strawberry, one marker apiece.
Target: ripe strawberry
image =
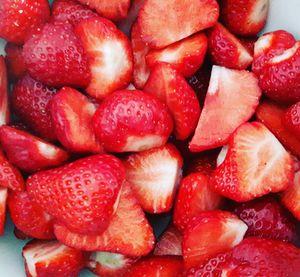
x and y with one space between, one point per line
194 16
55 56
229 90
3 199
51 258
226 50
291 119
109 54
204 163
128 233
30 101
28 152
186 55
19 18
154 175
4 107
248 43
255 164
142 123
168 85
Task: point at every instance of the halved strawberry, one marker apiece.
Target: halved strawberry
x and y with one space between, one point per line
226 50
168 85
51 258
4 107
72 114
255 164
230 92
128 233
204 163
3 199
28 152
109 54
186 55
180 20
292 119
154 175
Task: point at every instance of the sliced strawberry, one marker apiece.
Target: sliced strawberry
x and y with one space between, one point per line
28 152
226 50
255 164
229 90
186 55
292 119
4 107
154 175
3 199
51 258
205 163
142 123
167 84
248 43
128 233
194 16
72 114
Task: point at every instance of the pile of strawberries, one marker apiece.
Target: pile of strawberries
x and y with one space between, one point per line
124 113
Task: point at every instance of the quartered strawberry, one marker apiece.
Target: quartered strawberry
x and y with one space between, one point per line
4 106
292 119
168 85
19 18
209 234
233 95
128 233
143 122
29 217
248 43
30 153
255 164
226 50
54 55
154 175
3 199
51 258
194 196
180 20
244 17
109 54
204 163
30 101
186 55
72 114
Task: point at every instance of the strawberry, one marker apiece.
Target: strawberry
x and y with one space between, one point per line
109 54
186 55
128 233
29 217
204 163
244 17
226 50
255 164
142 123
229 90
209 234
3 199
72 114
194 16
291 119
248 43
28 152
4 107
19 18
154 175
194 196
30 101
169 86
51 258
54 55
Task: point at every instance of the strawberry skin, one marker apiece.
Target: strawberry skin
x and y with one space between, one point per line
291 119
3 200
4 107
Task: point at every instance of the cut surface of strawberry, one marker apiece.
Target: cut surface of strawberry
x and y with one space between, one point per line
4 107
3 200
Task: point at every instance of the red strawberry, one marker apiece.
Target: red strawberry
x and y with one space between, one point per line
142 123
180 20
209 234
19 18
30 100
28 217
186 55
28 152
226 50
244 17
3 199
109 53
194 196
72 114
154 175
255 164
230 91
292 119
55 56
51 258
128 233
4 107
167 84
204 163
248 43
